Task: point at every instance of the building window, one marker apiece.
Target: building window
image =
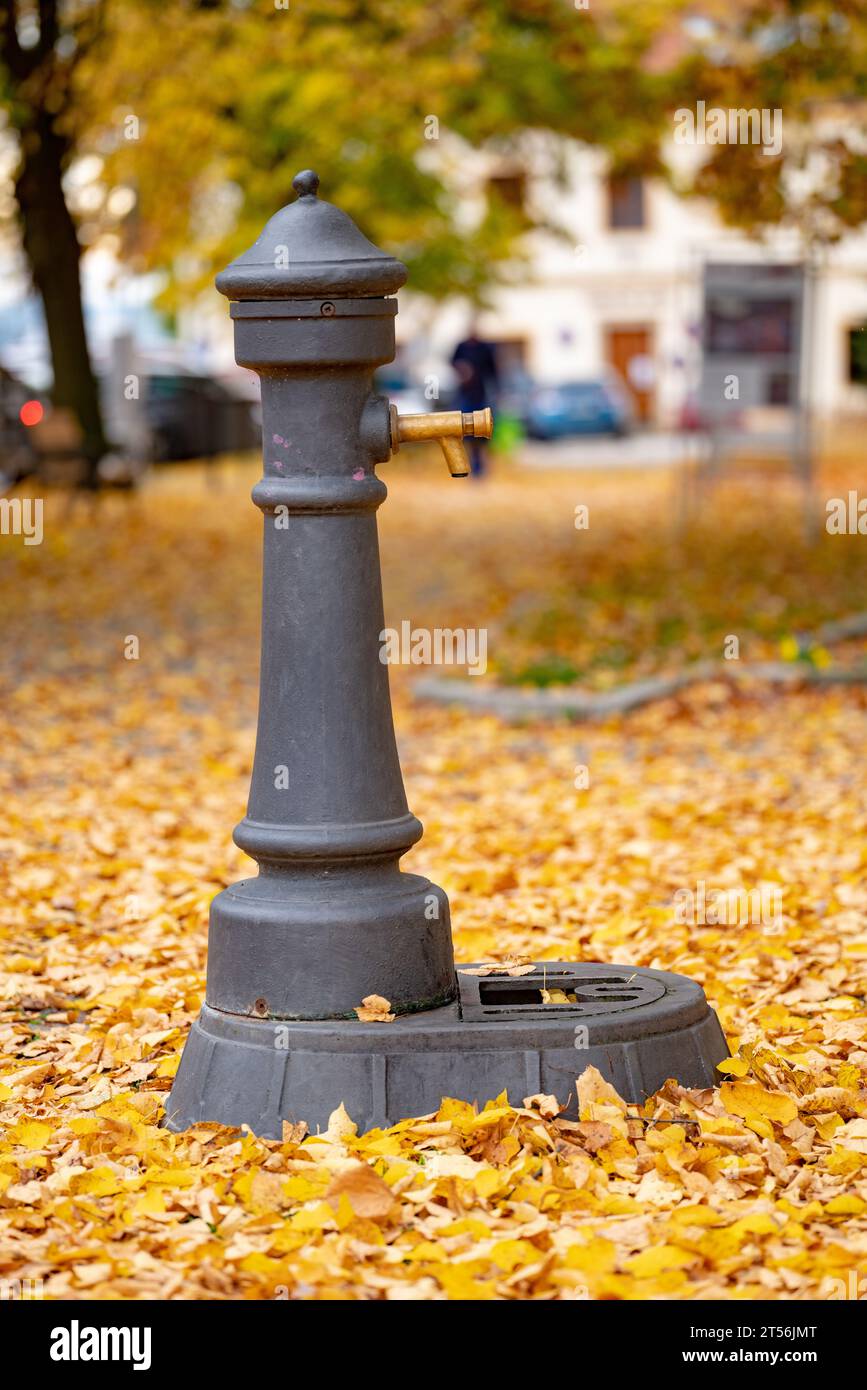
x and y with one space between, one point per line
858 355
625 202
509 189
779 388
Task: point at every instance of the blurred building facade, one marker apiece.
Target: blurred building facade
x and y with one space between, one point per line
618 289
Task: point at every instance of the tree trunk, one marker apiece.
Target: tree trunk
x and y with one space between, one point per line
53 253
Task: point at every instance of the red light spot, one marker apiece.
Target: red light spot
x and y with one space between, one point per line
31 413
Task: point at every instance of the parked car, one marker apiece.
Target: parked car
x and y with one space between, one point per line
597 406
20 409
191 416
184 416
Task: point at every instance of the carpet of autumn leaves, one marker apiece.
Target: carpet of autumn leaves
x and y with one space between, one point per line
121 781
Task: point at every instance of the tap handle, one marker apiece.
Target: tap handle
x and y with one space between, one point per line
448 428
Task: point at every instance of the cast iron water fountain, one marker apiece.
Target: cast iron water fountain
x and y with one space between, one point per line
331 918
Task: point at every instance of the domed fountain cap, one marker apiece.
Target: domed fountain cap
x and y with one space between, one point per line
311 249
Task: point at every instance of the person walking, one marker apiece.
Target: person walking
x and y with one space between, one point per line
476 366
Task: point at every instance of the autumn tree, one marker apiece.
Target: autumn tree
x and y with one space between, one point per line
806 59
224 101
382 96
41 46
199 112
371 91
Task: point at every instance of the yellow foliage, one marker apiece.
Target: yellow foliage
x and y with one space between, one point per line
754 1189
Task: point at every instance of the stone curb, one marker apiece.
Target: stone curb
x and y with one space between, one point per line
570 703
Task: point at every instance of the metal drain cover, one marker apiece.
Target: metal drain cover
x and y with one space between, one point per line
589 989
635 1025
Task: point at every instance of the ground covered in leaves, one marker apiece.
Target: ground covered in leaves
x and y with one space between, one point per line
121 780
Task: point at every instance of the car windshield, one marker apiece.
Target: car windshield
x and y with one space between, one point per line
584 391
575 393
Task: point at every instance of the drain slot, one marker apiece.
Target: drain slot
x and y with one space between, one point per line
501 994
586 993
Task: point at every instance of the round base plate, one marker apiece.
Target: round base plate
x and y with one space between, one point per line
523 1034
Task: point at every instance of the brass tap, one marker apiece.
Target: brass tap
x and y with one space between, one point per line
448 427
